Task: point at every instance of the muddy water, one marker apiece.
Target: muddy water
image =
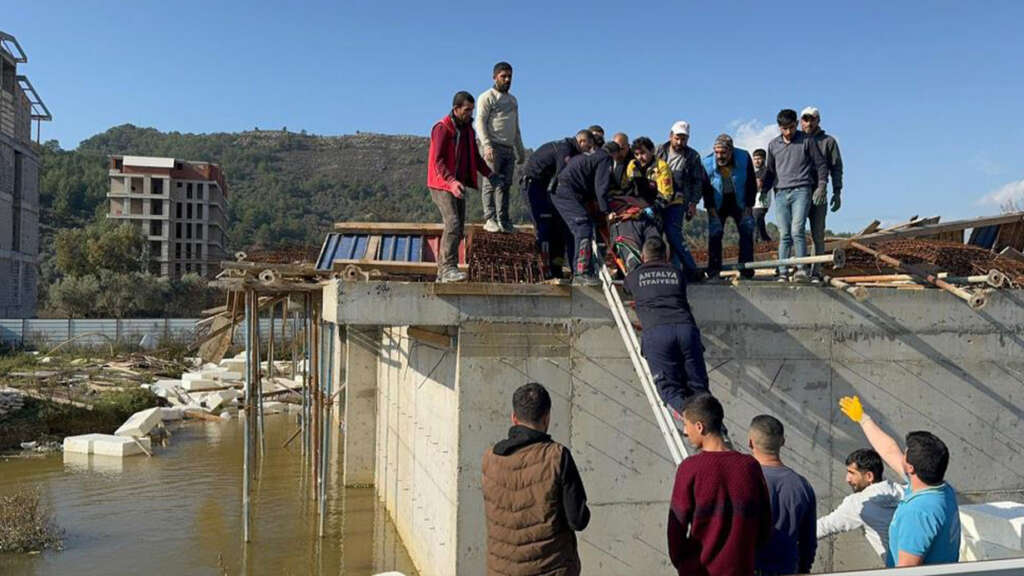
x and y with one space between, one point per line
180 512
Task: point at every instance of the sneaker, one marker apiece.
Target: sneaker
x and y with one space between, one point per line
585 280
491 226
507 228
815 279
782 278
452 275
800 276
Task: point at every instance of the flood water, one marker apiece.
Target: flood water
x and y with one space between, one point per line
180 511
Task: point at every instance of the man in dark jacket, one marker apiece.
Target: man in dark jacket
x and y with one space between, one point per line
584 180
764 199
733 192
688 181
452 165
539 177
810 122
670 340
534 498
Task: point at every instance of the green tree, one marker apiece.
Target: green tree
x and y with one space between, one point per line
75 296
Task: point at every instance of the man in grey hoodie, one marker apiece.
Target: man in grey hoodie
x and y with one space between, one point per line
810 123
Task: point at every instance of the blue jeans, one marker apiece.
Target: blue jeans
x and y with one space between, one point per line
791 205
681 258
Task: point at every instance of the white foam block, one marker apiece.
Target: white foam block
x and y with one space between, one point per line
104 445
219 399
171 414
191 376
199 385
141 423
232 365
1000 523
972 550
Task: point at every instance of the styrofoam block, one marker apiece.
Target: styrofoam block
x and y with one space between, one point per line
233 365
972 550
192 376
219 399
172 414
141 423
200 385
81 444
224 376
119 446
211 366
104 445
1000 523
274 407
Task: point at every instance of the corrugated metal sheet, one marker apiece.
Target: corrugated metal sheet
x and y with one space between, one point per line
390 248
45 332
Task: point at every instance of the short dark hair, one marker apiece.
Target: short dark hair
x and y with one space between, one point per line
759 152
461 97
769 432
707 410
502 67
611 147
867 460
596 128
928 455
531 402
786 116
587 134
643 142
654 249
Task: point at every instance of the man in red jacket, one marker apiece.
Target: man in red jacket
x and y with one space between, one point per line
451 168
720 511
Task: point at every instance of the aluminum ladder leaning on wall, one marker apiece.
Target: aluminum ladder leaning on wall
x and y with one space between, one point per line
665 422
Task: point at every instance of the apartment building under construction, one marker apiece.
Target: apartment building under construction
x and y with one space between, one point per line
179 206
19 184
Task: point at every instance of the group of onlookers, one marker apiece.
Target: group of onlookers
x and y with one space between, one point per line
731 514
580 186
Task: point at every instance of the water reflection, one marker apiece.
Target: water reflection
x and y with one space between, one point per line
180 512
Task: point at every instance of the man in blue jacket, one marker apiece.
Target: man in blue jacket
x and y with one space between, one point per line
732 194
584 182
540 176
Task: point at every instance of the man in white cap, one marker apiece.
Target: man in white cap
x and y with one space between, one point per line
810 123
688 181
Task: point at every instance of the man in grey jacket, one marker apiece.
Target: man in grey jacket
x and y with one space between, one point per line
871 506
810 123
497 127
794 167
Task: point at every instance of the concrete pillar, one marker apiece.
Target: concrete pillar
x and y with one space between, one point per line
360 377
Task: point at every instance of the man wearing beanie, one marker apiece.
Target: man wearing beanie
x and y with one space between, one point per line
733 192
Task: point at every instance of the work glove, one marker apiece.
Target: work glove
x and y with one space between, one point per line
820 196
851 406
836 201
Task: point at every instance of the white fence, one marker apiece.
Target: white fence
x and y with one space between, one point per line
31 332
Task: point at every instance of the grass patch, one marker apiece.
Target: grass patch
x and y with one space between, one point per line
26 525
16 362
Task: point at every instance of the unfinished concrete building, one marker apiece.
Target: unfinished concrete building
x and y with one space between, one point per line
19 184
179 207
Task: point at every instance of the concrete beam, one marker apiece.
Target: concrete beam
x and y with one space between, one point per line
360 378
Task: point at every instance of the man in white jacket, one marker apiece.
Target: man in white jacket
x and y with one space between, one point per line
871 505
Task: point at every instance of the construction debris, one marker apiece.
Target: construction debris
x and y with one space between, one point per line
505 258
107 445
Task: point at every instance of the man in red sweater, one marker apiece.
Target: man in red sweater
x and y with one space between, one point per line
721 510
451 168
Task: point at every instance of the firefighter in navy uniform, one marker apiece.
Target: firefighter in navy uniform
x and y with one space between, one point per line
670 339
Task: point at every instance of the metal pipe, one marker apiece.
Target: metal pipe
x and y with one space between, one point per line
837 258
248 417
329 385
976 301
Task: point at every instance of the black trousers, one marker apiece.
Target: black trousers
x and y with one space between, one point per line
676 357
551 232
574 214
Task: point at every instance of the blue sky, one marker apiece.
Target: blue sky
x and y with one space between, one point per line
925 98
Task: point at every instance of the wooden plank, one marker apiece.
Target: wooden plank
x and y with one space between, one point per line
424 228
933 229
372 245
281 269
495 289
390 267
435 339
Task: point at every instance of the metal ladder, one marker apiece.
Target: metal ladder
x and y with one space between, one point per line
661 414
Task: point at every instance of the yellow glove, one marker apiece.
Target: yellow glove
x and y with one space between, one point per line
851 406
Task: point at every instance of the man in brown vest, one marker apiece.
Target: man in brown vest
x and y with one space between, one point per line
533 495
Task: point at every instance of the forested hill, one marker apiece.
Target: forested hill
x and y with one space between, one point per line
284 187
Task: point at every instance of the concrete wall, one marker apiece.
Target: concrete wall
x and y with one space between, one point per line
919 360
19 214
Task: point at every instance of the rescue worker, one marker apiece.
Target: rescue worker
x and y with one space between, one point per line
670 339
540 176
584 181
